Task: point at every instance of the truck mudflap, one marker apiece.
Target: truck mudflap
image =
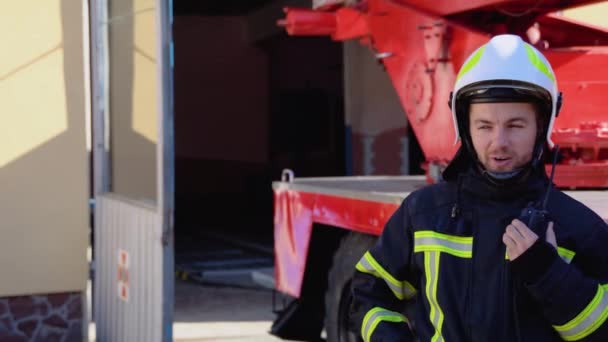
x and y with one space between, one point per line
298 321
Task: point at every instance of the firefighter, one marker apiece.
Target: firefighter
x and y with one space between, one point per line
461 251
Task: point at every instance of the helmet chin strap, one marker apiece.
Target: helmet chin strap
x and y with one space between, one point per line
504 175
505 178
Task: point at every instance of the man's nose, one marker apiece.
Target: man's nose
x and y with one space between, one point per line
500 137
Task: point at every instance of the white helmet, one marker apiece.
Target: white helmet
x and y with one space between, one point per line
506 69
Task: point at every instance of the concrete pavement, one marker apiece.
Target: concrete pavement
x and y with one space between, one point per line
214 313
210 313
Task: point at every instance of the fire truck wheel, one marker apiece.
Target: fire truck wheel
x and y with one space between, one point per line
338 296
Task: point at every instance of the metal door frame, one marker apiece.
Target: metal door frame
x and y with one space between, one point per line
165 146
165 152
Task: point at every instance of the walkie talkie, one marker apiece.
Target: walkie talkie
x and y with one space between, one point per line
535 216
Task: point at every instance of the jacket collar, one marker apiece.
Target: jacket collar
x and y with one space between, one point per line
530 188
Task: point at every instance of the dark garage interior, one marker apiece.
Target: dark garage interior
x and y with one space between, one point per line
249 102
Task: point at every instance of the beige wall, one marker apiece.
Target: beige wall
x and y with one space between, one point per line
43 156
596 14
372 105
133 102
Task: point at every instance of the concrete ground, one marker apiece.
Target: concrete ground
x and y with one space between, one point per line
227 293
233 305
221 294
219 313
213 313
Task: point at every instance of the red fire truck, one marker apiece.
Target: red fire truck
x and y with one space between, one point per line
324 225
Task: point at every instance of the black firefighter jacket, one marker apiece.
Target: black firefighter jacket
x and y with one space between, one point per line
443 250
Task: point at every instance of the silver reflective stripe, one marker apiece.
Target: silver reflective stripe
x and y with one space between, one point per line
463 247
431 268
401 289
459 246
591 318
377 315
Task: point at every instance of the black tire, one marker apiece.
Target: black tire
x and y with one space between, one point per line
338 296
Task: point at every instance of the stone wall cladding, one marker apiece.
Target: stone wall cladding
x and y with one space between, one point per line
49 318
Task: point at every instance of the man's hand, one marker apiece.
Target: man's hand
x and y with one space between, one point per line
518 238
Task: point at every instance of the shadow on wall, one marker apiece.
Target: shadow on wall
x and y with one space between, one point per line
43 162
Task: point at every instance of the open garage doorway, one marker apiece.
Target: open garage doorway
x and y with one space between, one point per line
249 102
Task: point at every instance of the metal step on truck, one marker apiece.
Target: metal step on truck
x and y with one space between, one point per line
322 226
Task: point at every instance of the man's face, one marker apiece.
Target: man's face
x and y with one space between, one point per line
503 134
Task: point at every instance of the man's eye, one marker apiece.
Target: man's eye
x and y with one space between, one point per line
516 126
483 127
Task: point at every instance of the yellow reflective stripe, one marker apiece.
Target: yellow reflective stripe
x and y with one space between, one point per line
430 241
471 62
588 320
566 254
401 289
431 270
538 63
376 315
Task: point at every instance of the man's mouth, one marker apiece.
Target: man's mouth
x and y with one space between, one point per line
500 160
